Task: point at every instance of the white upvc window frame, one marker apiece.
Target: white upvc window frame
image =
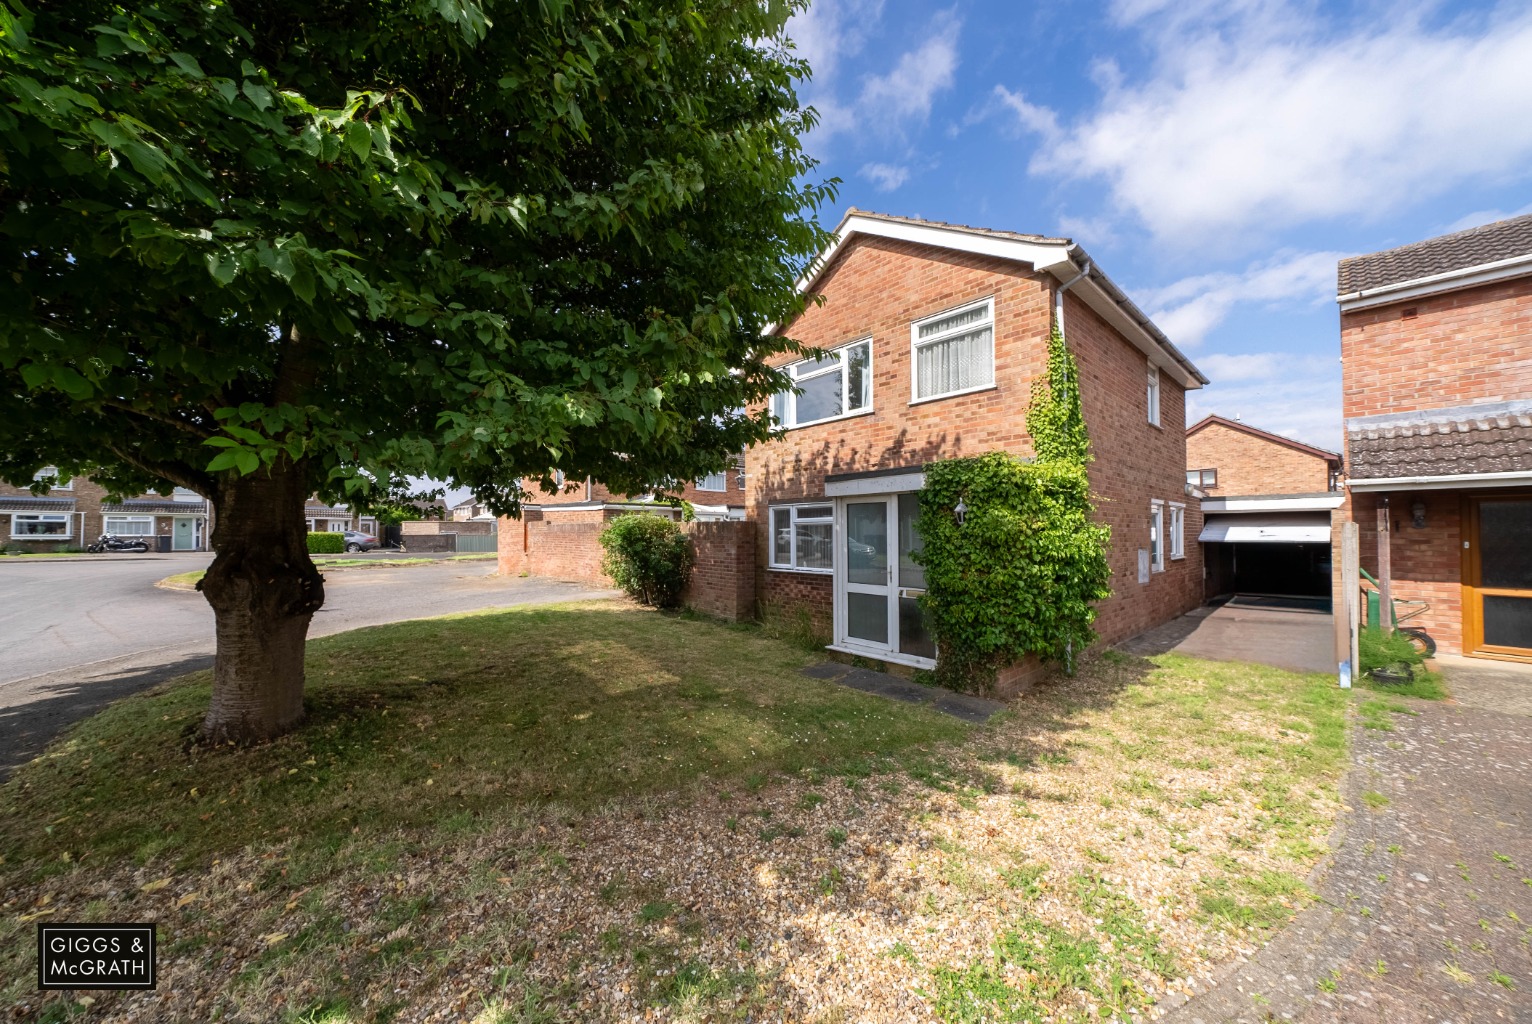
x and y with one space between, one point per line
1152 395
52 473
917 343
112 517
792 526
1177 531
784 404
67 518
1156 535
720 478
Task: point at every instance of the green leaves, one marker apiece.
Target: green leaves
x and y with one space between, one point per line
1021 575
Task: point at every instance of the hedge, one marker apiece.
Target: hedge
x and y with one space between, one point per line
327 543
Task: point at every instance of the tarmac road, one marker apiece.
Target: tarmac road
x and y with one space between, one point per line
76 635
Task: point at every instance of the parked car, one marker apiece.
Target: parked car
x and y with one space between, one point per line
358 541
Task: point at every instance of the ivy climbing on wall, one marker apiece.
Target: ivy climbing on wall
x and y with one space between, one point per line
1021 574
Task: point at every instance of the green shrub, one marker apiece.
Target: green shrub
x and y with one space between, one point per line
648 557
1021 575
1377 649
327 543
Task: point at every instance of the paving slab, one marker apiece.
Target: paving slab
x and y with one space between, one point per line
1425 901
1287 634
959 705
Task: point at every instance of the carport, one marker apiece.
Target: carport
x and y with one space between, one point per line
1268 545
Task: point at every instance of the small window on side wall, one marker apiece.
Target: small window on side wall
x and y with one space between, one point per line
1154 395
1157 536
1202 477
1177 531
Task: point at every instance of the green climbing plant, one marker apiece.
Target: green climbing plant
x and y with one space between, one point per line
1021 574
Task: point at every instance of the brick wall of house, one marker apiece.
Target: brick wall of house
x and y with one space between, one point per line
1248 464
723 576
876 289
1438 352
578 491
1427 563
1456 349
1135 464
87 496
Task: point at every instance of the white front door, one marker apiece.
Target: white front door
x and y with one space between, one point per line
878 583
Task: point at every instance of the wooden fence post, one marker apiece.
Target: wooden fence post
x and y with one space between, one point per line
1385 572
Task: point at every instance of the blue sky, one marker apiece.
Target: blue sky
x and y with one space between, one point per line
1215 158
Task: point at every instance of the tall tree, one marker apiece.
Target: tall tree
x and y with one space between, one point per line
269 248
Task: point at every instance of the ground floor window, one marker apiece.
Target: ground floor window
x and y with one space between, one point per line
45 524
1177 531
1157 536
129 526
803 537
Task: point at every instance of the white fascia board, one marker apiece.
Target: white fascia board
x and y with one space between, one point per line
1452 280
1297 503
1234 530
887 483
1098 299
1518 478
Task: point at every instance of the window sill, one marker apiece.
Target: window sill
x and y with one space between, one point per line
800 572
955 394
876 655
833 419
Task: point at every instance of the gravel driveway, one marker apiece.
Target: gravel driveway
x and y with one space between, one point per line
80 634
1426 912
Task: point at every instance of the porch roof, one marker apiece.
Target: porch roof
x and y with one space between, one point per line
1468 440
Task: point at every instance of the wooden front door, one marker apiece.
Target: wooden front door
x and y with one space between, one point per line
1497 581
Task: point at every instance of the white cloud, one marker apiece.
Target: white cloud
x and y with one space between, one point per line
886 177
1481 217
1297 397
1190 308
1033 118
907 91
1252 119
832 31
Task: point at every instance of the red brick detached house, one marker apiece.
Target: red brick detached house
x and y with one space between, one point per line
1436 345
74 513
932 336
1266 517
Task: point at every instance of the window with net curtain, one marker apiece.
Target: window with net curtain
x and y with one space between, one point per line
955 351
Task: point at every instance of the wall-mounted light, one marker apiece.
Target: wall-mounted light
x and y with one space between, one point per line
1418 515
961 511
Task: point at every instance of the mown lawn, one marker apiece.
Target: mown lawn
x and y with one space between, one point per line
592 812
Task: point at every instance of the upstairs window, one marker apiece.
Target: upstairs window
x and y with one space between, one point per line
1154 395
953 352
835 384
1202 477
713 482
51 474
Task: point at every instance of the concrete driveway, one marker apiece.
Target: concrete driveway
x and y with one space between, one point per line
76 635
1290 634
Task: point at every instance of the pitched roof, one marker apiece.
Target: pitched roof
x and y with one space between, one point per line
1459 251
35 503
1264 435
1061 257
155 506
1493 437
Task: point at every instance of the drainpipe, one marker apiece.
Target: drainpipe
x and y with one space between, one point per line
1058 296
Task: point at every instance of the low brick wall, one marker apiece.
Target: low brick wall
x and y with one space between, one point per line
567 546
723 577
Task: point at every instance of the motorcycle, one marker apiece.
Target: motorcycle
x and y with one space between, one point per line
109 542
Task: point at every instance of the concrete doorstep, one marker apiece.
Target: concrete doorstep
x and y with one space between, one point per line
959 705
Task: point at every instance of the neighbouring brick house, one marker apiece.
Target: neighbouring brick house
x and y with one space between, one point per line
76 512
934 334
1436 349
1266 514
323 518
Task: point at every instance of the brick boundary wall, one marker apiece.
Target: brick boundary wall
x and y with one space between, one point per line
567 546
723 577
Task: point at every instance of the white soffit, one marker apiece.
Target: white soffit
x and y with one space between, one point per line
883 483
1274 503
1054 258
1517 478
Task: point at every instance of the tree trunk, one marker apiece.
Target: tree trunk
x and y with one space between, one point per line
264 589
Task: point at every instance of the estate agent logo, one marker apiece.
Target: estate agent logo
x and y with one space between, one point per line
95 956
